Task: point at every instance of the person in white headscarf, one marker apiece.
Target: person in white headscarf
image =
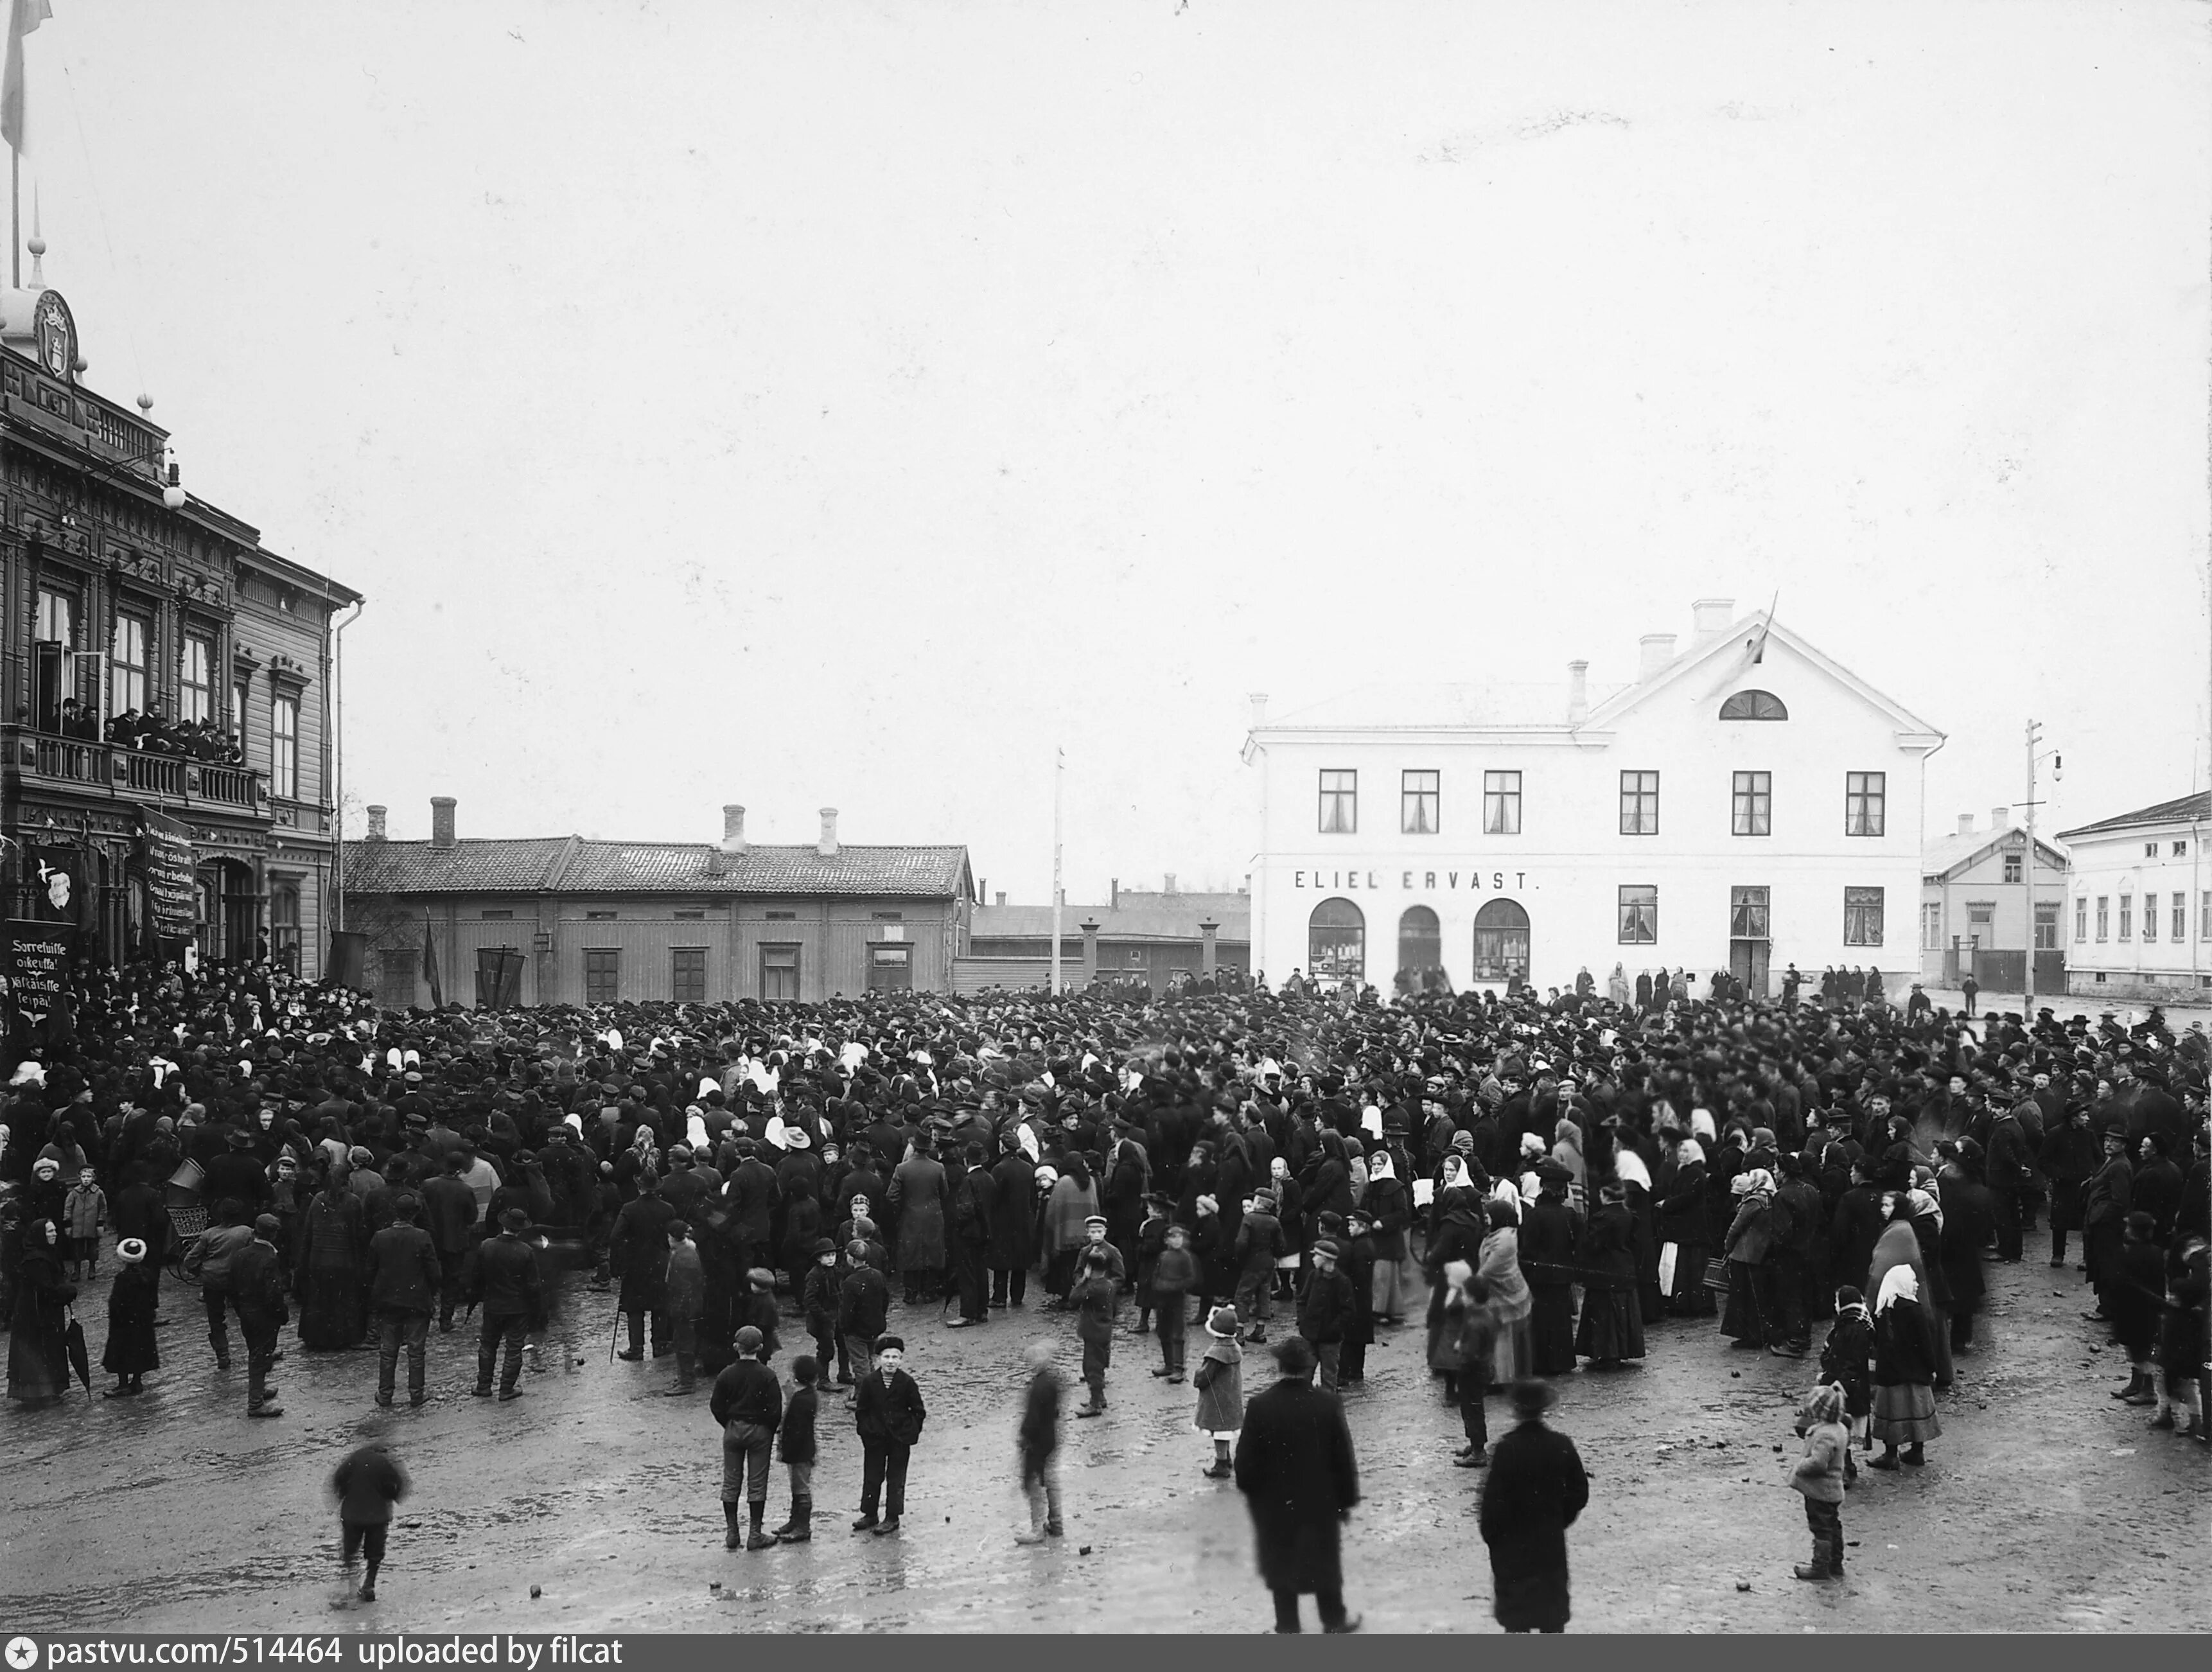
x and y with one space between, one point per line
1904 1371
1746 1322
1500 1268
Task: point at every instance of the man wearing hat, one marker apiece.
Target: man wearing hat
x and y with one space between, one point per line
256 1284
1325 1309
1296 1468
747 1404
888 1413
1535 1490
501 1275
403 1293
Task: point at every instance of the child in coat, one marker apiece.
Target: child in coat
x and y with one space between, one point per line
794 1445
759 1309
818 1298
1819 1475
84 1212
1174 1272
1843 1361
1093 1296
1220 1384
131 1349
1151 1238
1040 1445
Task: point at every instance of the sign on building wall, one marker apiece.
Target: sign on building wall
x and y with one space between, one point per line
172 894
38 956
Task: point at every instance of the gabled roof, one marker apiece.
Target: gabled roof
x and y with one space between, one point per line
1146 922
2179 811
1702 662
570 865
1954 853
1475 704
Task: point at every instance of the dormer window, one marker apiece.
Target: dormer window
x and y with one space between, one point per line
1754 705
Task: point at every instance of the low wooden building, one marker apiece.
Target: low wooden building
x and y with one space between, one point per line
562 920
1142 937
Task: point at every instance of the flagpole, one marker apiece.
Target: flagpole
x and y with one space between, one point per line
15 217
1058 770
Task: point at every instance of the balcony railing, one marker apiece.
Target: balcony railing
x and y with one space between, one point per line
130 775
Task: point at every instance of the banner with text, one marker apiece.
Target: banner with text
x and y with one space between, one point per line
38 956
172 886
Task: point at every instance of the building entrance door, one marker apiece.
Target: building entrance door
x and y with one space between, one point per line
1501 942
1747 963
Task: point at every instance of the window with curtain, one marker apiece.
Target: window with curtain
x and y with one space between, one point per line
1639 914
1864 795
284 747
1862 917
1755 804
1419 795
1339 803
1639 803
129 657
196 680
1501 804
284 925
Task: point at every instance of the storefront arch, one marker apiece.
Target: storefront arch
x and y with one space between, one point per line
1336 942
1501 942
1420 943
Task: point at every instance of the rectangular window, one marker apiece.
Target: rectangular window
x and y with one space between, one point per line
237 701
783 917
601 976
1862 917
2104 914
1418 796
1501 804
890 969
2080 919
284 747
1639 914
196 680
1747 913
2204 916
1339 803
1864 795
2151 917
2127 916
688 976
2150 850
779 973
2012 867
1755 804
2180 915
2046 925
2180 850
129 656
1639 803
888 917
599 916
1931 926
57 619
690 916
499 917
284 926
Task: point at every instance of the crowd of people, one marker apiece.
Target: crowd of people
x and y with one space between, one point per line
1530 1182
191 739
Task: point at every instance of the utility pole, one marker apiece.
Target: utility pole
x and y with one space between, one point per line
1059 772
2027 876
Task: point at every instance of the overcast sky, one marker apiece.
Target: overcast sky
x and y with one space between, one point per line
842 404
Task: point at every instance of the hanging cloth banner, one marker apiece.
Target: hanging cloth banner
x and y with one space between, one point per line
61 878
172 886
38 957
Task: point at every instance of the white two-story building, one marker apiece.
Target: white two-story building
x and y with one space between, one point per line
1745 804
2141 920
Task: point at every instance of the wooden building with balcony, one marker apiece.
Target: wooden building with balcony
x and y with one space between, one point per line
124 593
564 920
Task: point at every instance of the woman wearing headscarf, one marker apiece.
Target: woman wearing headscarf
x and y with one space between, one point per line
38 1325
1457 1235
1684 1222
1612 1326
1386 1199
1074 1198
1746 1246
1567 1151
1616 986
1500 1270
1298 1232
330 1276
1904 1370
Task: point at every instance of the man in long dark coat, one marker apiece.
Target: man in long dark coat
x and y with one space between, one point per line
1013 1224
1535 1490
973 1207
1548 1246
921 1203
1295 1468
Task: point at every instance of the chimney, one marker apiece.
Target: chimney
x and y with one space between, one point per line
441 821
1655 651
1966 824
1170 889
2000 820
734 828
376 823
1711 617
1577 692
1258 709
1002 897
827 846
1115 905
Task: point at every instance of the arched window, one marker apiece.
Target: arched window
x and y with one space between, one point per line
1336 942
1754 705
1420 942
1501 942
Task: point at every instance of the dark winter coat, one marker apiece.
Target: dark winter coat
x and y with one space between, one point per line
890 1411
1014 1187
404 1270
367 1484
1969 1218
502 1276
1845 1356
1296 1470
1904 1345
1535 1489
864 1301
921 1201
131 1348
1326 1304
637 1252
794 1440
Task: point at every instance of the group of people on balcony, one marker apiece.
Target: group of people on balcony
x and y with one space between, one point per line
191 739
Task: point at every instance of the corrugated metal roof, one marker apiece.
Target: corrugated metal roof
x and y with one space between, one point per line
531 864
2182 808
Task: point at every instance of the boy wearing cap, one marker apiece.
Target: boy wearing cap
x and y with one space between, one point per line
1259 1243
888 1413
1325 1306
748 1403
864 1301
794 1445
818 1300
1093 1296
1174 1272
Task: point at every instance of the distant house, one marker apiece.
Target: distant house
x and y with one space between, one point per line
561 920
1136 936
1973 907
2141 905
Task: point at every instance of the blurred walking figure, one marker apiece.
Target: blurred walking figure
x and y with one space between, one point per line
1535 1490
1040 1444
367 1484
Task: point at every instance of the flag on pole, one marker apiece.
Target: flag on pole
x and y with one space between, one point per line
1753 654
24 15
430 966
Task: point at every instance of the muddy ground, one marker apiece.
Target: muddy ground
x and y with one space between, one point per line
2046 1504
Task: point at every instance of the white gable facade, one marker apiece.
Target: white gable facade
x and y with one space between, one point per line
2139 923
1492 832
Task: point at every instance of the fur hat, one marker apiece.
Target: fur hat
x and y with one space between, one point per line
887 1343
131 1250
1222 1324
